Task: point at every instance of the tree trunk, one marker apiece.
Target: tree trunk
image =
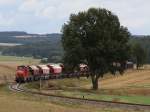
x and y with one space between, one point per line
95 82
137 66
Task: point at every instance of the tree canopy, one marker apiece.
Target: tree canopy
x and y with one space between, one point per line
139 54
96 38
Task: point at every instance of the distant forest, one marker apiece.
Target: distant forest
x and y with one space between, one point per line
144 41
33 45
48 45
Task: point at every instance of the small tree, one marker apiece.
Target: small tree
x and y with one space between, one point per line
95 37
139 55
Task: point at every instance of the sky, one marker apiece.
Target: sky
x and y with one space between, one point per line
48 16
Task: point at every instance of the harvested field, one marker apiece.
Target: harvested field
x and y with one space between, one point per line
132 87
136 77
134 82
8 66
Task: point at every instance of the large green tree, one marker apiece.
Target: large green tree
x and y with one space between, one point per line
96 38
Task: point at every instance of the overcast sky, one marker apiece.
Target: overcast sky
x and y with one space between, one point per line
48 16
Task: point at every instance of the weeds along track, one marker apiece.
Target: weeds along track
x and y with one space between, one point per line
100 103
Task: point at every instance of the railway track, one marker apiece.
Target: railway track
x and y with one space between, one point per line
99 103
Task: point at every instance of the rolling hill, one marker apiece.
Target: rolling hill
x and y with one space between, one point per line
48 45
36 45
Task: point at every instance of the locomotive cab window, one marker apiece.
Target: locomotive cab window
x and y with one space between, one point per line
21 67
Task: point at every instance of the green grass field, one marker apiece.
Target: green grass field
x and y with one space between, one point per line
127 99
20 102
14 58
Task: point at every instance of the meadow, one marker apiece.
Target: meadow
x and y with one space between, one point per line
133 87
20 102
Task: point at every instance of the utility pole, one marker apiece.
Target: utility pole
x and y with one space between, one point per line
5 79
40 83
40 87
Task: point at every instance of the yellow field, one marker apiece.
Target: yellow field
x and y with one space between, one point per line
8 66
132 78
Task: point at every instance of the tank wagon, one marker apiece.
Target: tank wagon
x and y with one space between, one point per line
45 72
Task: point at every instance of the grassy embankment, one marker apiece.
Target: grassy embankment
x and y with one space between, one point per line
19 102
132 87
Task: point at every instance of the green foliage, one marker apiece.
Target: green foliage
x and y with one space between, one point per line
96 38
44 60
139 54
48 46
144 42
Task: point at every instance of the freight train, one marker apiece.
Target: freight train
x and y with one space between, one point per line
45 72
53 71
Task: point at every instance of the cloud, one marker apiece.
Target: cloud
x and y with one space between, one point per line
31 6
49 15
7 2
133 14
49 8
5 21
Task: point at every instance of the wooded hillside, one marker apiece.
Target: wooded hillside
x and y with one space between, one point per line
48 45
